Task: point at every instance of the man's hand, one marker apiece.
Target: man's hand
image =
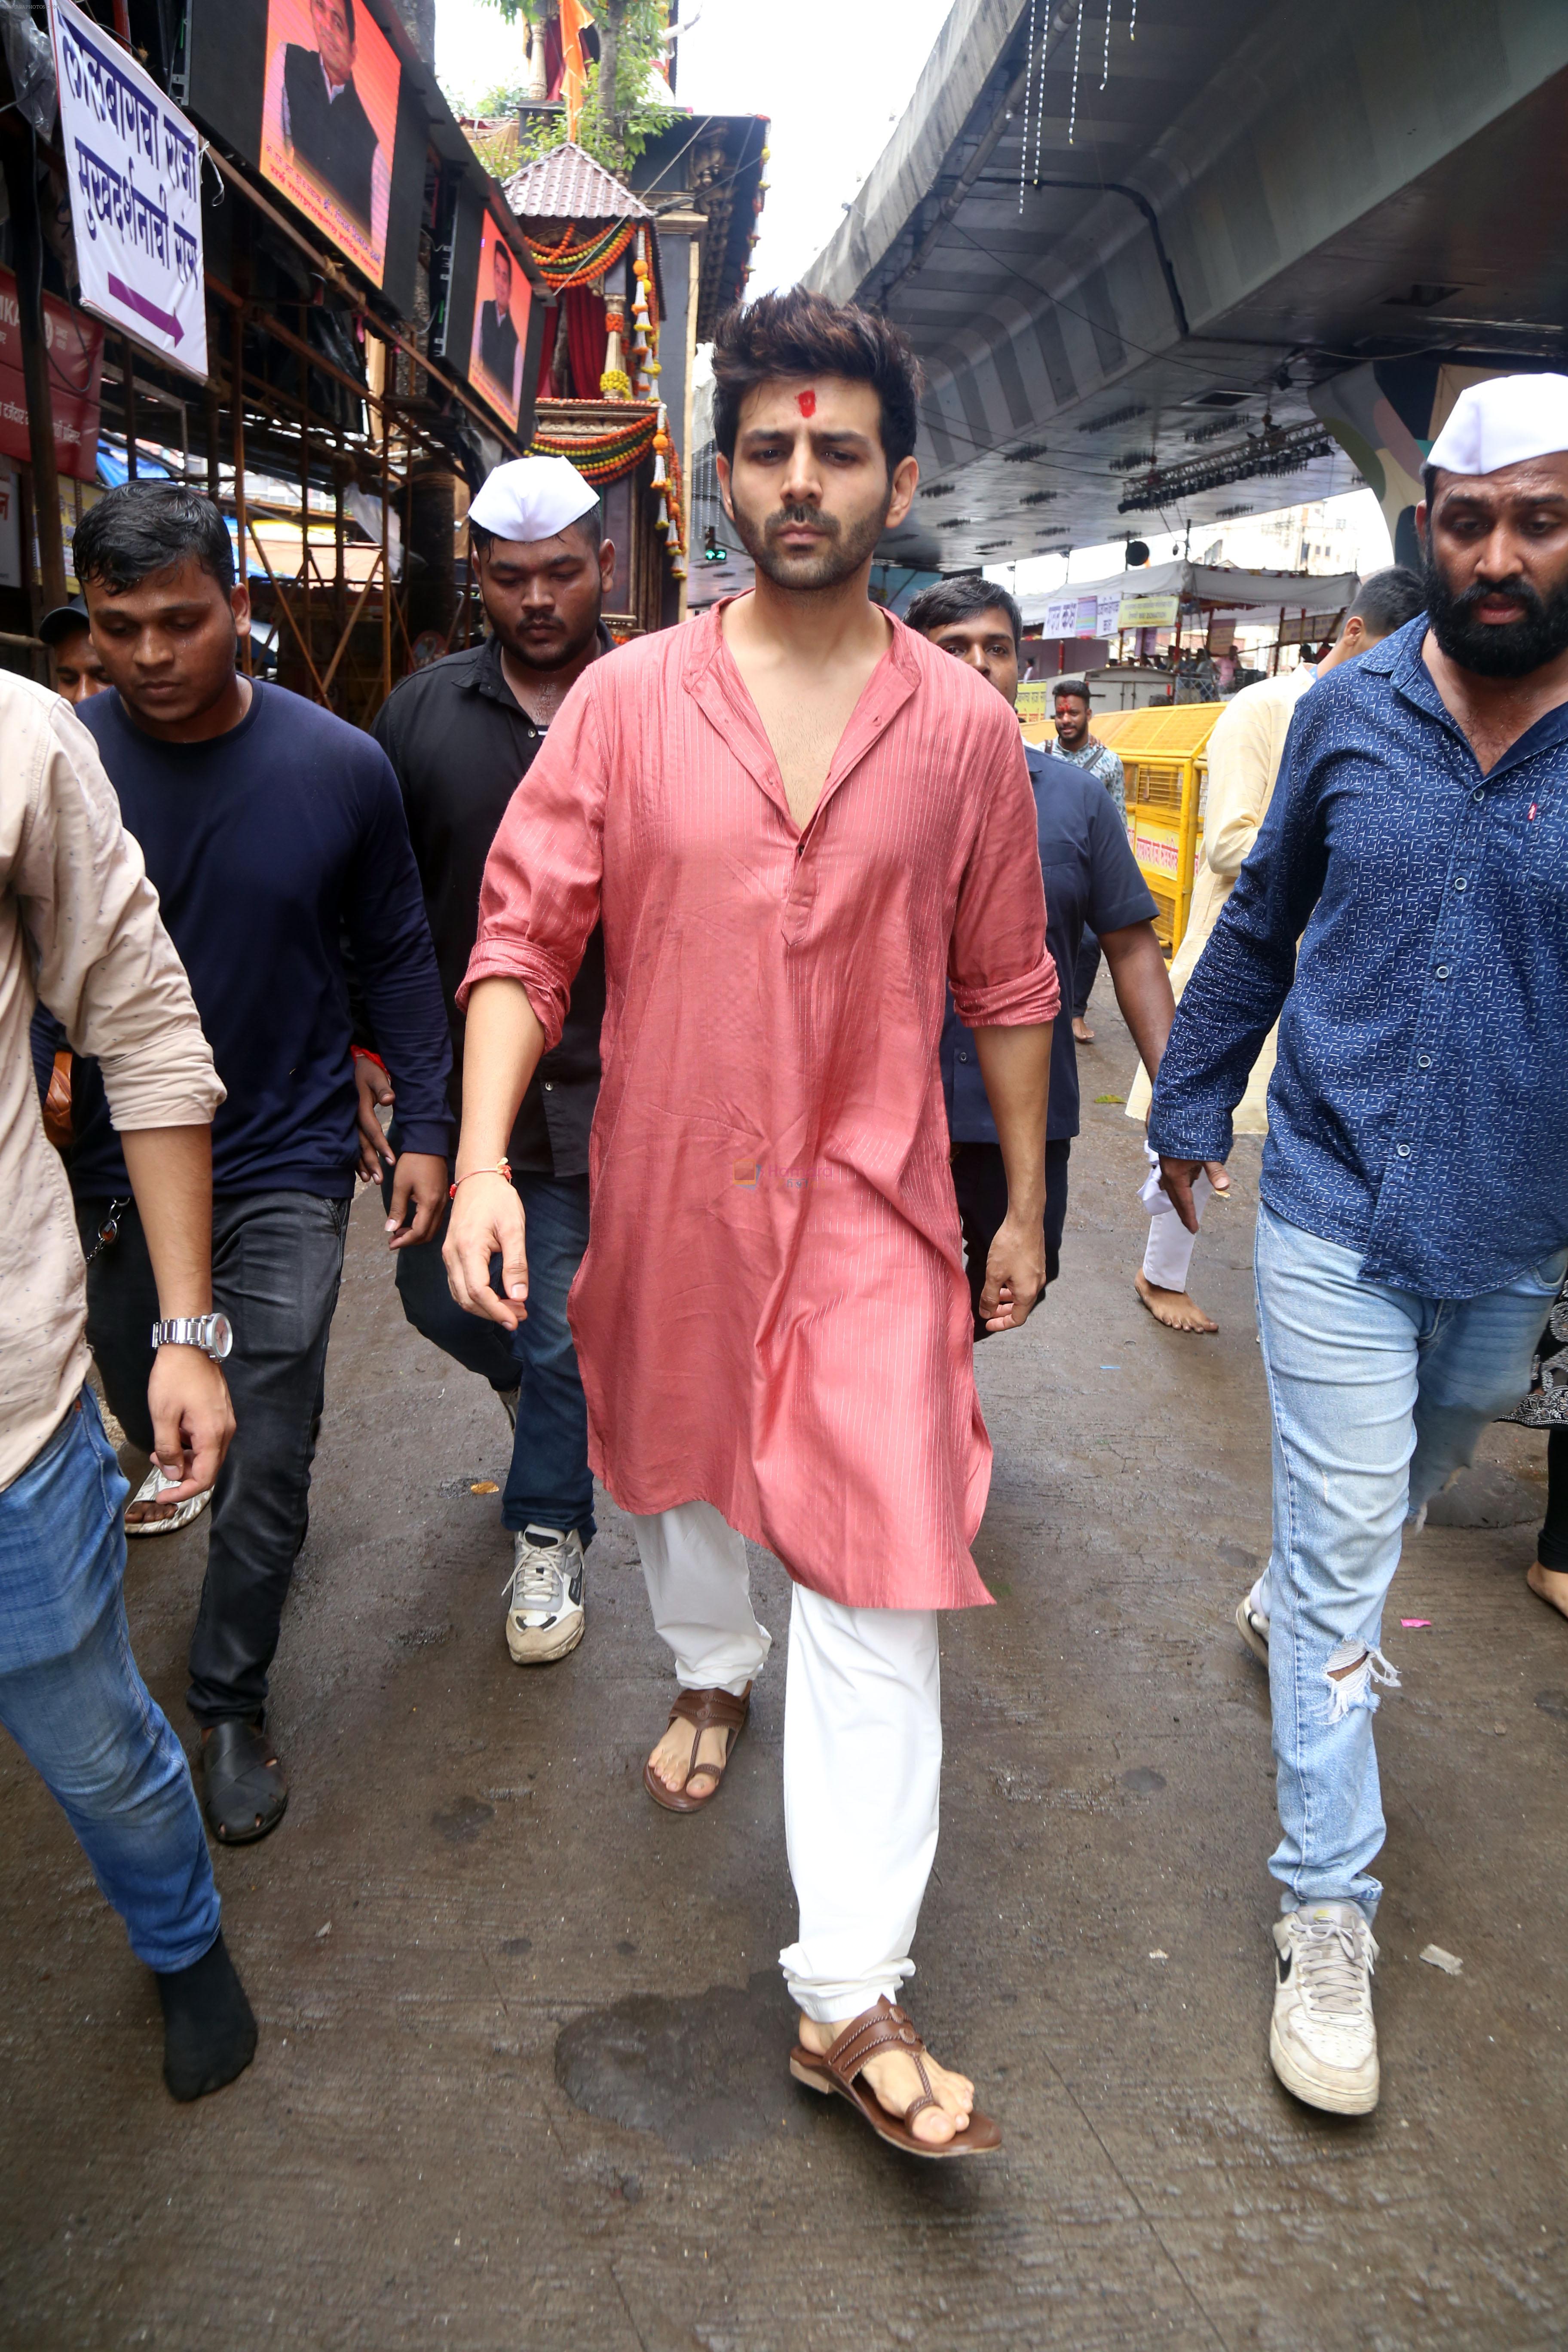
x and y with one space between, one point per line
1015 1273
488 1222
418 1179
193 1419
1176 1177
373 1086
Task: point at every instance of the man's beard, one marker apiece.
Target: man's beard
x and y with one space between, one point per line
1499 648
824 567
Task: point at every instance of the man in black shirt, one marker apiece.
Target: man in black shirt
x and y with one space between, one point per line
459 735
498 336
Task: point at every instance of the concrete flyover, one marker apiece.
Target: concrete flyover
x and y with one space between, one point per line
1138 243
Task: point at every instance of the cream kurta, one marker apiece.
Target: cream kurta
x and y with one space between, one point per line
1244 755
79 931
771 1315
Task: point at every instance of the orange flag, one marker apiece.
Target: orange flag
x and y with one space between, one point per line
574 16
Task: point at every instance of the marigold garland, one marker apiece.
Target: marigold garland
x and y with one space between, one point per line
603 455
573 264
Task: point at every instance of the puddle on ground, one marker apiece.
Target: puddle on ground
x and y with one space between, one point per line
463 1819
706 2072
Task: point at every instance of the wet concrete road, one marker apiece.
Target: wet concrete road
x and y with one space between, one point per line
522 2081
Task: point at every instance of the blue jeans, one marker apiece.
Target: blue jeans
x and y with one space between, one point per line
71 1697
1378 1396
550 1483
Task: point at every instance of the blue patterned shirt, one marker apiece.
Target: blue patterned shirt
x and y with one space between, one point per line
1103 765
1417 1111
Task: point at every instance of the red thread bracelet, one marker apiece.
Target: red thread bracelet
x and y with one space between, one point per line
501 1168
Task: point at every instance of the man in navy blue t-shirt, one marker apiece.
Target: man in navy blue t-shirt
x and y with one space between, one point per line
271 831
1091 878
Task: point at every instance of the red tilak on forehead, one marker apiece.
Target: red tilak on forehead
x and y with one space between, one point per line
806 403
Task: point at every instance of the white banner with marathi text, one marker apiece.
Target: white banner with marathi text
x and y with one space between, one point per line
133 163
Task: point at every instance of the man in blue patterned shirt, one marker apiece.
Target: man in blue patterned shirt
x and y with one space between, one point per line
1413 1228
1074 742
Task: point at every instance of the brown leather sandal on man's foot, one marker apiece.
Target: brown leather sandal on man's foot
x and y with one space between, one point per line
705 1710
886 2027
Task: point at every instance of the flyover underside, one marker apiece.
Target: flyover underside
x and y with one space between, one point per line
1248 215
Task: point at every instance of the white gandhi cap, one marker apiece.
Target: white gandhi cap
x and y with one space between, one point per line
532 497
1502 423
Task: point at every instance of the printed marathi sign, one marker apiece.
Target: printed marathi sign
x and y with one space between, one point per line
133 166
1157 853
75 346
1146 611
1074 616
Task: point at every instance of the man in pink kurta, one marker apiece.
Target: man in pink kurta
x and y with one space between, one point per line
772 1317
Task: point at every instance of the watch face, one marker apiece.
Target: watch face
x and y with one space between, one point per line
220 1336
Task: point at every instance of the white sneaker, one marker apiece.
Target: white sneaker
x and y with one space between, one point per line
544 1596
1252 1623
1322 2041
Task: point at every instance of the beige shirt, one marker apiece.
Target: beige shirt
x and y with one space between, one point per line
78 931
1244 755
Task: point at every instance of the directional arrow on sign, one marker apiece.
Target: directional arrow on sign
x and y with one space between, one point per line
165 320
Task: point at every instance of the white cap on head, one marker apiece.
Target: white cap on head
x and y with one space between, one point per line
1502 423
532 497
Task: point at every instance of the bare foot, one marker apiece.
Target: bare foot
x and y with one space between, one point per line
1551 1583
894 2079
1174 1309
1083 1031
672 1757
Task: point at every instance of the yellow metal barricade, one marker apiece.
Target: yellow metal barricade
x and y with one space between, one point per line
1162 753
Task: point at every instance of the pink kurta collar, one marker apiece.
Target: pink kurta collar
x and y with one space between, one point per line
714 682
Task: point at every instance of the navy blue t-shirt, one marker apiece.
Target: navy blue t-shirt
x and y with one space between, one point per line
1091 876
266 846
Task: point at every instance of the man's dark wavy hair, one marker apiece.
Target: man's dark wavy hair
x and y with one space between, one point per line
141 528
800 333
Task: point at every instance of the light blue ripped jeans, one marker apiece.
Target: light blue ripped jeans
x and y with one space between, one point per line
1378 1396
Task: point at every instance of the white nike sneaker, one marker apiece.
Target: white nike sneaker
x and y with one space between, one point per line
544 1596
1322 2041
1252 1623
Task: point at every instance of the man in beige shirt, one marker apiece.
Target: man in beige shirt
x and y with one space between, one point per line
80 933
1245 751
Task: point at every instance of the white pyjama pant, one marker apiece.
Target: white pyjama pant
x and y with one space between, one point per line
862 1751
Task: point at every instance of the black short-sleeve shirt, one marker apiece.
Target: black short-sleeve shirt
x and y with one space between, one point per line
460 744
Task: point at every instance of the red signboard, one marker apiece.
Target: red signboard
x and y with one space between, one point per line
75 363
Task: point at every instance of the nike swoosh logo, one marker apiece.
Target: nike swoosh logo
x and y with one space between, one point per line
1285 1961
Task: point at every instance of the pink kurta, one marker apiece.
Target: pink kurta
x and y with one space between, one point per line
772 1316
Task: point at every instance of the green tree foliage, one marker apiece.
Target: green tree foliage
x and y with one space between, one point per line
618 116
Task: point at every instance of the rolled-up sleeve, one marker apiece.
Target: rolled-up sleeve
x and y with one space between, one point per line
539 900
1001 971
105 965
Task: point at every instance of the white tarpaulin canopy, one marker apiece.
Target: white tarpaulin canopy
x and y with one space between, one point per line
1221 585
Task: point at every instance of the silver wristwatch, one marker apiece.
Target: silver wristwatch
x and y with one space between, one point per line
213 1333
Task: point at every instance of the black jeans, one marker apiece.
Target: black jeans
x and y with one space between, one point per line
278 1258
980 1181
1085 972
1551 1544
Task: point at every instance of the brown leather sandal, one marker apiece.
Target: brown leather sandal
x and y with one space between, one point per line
705 1710
886 2027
